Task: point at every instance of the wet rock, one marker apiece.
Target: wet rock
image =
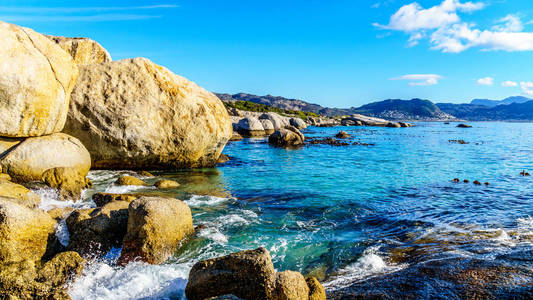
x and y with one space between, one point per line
466 181
287 137
166 184
36 78
82 50
28 280
134 114
290 285
524 173
130 180
461 142
342 135
102 199
24 232
476 182
456 180
28 160
487 184
223 158
59 213
316 290
146 174
464 126
247 274
444 278
156 226
403 124
69 181
19 194
93 232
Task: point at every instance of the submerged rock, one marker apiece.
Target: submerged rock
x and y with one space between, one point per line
287 137
24 232
28 160
134 114
93 232
130 180
166 184
82 50
156 226
342 135
290 285
36 79
247 274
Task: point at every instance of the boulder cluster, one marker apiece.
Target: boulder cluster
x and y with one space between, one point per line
362 120
253 124
66 107
249 275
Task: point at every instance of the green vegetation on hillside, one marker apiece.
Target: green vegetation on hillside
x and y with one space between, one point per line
256 107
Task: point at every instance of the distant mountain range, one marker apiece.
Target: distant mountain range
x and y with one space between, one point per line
516 108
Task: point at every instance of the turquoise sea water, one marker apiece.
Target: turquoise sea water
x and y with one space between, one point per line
347 214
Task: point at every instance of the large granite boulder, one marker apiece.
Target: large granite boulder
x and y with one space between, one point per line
135 114
93 232
290 285
268 127
30 158
287 137
247 274
250 126
24 232
156 226
19 194
36 79
278 121
298 123
83 50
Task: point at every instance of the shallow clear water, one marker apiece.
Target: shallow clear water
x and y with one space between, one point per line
344 214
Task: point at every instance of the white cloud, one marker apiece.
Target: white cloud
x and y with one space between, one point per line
412 17
485 81
527 88
420 79
509 84
448 33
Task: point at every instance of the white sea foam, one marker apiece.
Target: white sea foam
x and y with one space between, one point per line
369 264
50 199
62 233
135 281
205 200
213 234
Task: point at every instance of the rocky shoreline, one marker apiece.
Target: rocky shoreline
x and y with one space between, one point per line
68 108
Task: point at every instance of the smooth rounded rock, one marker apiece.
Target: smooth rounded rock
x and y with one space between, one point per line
290 285
130 180
134 114
166 184
36 80
31 158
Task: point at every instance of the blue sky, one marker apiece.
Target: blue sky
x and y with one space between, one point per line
335 53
